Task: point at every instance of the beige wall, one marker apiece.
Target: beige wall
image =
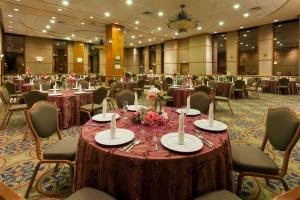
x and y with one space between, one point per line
102 61
287 60
171 57
158 58
232 52
35 46
265 50
70 56
248 60
146 59
131 58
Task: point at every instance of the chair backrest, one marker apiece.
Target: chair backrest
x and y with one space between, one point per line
141 83
11 87
4 95
169 80
27 79
43 126
251 81
84 84
200 101
281 126
203 88
34 96
45 86
110 81
283 82
125 95
239 84
99 95
212 83
112 89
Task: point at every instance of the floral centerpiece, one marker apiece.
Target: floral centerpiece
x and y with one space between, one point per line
149 118
71 79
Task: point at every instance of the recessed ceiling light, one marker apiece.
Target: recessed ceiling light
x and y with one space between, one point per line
10 30
275 20
68 38
221 23
96 38
176 33
44 31
65 2
236 6
73 35
82 23
278 42
141 35
16 9
106 14
59 9
129 2
133 36
245 35
18 0
160 13
149 40
52 21
91 17
275 39
246 14
241 43
136 21
166 35
253 47
140 42
9 26
136 28
159 28
247 45
9 15
280 25
241 27
131 44
10 22
53 17
199 28
215 32
48 26
116 23
90 41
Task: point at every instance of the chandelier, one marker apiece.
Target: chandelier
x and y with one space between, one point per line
182 21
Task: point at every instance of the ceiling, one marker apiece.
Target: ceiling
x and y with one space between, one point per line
84 20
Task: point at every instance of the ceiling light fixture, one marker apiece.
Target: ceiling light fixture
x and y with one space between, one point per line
44 31
65 3
140 42
159 28
68 38
131 44
48 26
59 9
107 14
136 21
236 6
182 22
73 35
149 40
136 28
16 9
221 23
160 13
133 36
52 21
53 17
82 23
9 15
246 15
241 27
91 17
199 28
275 20
129 2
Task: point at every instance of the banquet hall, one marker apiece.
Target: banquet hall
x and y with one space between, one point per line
149 99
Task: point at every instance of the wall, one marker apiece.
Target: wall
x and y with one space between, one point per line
35 46
131 58
248 60
158 58
171 57
287 60
265 52
102 61
232 52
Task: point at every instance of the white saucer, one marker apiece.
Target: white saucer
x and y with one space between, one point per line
79 92
204 124
106 118
191 111
55 94
134 108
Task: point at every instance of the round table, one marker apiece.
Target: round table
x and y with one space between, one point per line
145 173
27 87
69 104
273 84
127 85
180 95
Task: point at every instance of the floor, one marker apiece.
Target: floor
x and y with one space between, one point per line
246 126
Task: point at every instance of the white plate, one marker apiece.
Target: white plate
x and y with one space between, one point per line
91 89
55 94
122 136
175 87
134 107
191 143
217 126
75 88
53 89
79 92
191 111
106 118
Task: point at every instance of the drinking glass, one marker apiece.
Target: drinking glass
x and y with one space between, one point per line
125 104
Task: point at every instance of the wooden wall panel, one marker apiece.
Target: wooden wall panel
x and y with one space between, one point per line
78 53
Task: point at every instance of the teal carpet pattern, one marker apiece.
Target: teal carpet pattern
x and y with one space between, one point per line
246 126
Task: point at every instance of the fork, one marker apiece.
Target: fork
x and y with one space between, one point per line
206 141
136 142
127 146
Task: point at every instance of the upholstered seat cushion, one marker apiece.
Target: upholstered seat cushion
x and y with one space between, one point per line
90 193
250 159
64 149
18 107
221 194
89 107
220 98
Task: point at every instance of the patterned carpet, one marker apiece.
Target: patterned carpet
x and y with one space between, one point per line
18 158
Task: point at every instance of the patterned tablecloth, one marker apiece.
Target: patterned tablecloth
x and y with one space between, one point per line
273 84
127 85
180 95
145 173
27 87
70 103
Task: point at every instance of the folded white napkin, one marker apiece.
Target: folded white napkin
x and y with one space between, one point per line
113 127
104 107
136 103
76 84
207 84
211 115
80 88
188 103
181 129
89 85
41 88
121 79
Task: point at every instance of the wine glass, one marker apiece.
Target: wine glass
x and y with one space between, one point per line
125 104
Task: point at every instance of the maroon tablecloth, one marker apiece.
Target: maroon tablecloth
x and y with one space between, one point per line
145 173
127 85
273 84
27 87
19 83
70 103
180 95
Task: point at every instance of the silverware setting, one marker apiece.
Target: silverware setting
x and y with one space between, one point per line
97 125
129 146
204 140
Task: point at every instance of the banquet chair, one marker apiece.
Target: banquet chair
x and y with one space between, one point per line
226 98
290 195
140 88
84 84
252 86
200 101
7 193
12 90
203 88
212 84
9 108
88 193
63 151
283 84
282 131
125 95
239 87
167 83
98 96
219 194
110 96
27 79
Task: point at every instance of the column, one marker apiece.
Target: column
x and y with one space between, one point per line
232 52
102 61
215 57
265 49
70 56
146 54
114 51
200 55
158 58
131 59
171 57
78 58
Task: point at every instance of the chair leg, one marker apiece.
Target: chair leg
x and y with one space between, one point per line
258 97
8 118
26 131
4 121
239 185
32 179
89 113
285 185
72 175
268 182
230 107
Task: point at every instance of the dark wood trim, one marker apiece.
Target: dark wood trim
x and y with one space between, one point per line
2 44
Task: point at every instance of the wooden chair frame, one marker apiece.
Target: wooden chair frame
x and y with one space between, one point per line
284 166
39 150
